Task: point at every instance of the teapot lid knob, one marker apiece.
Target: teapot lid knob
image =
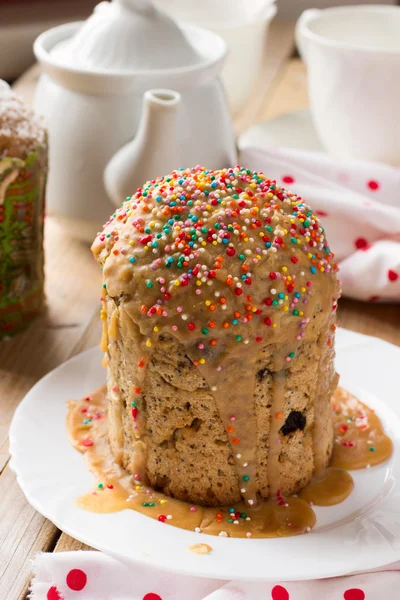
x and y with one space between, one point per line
140 6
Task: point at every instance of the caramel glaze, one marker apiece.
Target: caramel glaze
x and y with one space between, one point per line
360 442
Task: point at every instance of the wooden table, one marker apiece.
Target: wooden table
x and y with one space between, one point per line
71 323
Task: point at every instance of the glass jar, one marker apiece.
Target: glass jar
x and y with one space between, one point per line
23 169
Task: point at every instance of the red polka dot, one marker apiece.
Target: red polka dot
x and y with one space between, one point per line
373 185
151 596
354 594
76 580
279 593
54 594
360 243
321 213
373 298
288 179
392 275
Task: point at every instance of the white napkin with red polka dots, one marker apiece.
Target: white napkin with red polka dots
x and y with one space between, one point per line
95 576
359 206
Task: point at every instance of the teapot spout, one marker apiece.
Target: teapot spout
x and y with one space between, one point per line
153 152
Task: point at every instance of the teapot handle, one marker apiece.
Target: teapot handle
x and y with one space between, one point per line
302 29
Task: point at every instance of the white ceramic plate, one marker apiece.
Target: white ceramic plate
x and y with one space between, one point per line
291 130
361 533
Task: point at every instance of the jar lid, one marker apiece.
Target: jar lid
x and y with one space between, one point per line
129 35
21 131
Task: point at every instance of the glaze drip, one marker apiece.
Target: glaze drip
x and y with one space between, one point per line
233 391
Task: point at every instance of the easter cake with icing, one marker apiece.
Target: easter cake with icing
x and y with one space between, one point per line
219 308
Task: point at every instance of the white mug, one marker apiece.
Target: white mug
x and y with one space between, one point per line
353 59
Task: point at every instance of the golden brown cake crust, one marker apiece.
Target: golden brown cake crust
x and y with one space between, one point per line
219 308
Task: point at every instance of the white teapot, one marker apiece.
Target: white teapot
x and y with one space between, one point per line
94 76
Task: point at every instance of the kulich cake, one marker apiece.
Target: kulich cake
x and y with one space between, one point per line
218 311
23 172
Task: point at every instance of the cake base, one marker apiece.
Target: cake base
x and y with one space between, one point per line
184 449
276 517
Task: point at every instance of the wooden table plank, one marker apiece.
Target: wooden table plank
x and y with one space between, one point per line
69 544
380 320
23 533
73 285
26 530
289 92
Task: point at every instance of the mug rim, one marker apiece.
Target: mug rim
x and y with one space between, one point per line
321 39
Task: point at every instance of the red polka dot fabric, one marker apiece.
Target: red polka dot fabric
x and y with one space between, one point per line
359 206
95 576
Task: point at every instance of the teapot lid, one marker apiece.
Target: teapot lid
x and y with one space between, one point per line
129 35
